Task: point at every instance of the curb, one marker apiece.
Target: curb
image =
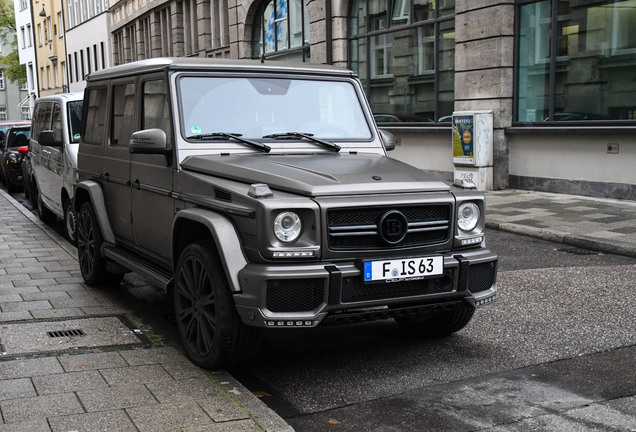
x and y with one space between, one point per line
583 242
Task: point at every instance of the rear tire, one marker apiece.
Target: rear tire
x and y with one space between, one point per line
89 244
439 324
210 328
70 222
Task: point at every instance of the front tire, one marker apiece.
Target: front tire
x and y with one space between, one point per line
45 215
438 324
211 331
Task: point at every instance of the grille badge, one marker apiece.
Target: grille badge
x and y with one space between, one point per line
393 226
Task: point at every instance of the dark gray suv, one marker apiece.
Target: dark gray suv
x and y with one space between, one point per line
261 196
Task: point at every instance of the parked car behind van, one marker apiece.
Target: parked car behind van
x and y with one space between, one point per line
53 151
11 159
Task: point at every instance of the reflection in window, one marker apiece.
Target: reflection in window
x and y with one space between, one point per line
589 76
281 30
404 54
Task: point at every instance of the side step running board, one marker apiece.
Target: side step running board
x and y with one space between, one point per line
150 272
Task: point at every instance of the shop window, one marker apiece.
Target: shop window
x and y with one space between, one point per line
583 71
404 53
281 30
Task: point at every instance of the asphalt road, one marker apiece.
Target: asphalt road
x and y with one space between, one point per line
556 352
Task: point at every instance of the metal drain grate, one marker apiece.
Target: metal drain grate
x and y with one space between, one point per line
577 251
65 333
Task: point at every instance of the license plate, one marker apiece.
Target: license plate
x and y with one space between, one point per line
404 268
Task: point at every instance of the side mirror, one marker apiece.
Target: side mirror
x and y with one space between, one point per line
149 141
388 139
47 138
23 150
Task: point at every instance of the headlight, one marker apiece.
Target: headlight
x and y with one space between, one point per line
13 158
467 216
287 227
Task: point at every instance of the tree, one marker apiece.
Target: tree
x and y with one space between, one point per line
10 63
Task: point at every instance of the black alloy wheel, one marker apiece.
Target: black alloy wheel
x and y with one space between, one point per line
89 242
211 331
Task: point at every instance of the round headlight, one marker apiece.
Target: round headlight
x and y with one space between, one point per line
13 157
287 227
467 216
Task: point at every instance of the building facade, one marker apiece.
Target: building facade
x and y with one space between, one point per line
26 53
87 40
558 76
50 49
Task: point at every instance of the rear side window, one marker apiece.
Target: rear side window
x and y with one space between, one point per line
96 109
123 113
56 123
156 110
41 118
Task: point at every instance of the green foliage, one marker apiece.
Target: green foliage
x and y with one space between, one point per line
10 63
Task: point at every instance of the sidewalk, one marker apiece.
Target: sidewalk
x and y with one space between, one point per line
76 358
598 224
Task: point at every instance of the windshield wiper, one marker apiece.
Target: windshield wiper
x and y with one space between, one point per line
235 136
310 137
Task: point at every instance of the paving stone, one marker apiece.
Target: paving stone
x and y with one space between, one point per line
24 305
151 356
135 375
107 310
194 388
15 316
221 411
105 421
116 397
40 407
16 389
69 382
234 426
57 313
39 295
18 290
91 361
169 417
33 425
68 287
29 367
7 298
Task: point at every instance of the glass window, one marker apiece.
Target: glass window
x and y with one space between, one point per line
123 114
56 121
41 118
74 110
95 116
281 30
404 54
577 64
156 110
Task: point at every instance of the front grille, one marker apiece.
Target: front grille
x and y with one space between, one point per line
294 295
481 276
354 290
359 228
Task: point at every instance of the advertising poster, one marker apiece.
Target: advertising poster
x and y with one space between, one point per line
463 145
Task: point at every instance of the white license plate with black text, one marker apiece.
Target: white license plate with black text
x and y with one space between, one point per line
403 268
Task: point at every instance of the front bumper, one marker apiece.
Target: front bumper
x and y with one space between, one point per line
307 295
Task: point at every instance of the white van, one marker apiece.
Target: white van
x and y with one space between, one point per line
55 136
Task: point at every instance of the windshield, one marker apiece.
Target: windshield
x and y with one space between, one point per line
75 120
255 107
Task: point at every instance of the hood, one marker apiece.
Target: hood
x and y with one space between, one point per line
319 174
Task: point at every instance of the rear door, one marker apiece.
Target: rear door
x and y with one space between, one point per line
152 175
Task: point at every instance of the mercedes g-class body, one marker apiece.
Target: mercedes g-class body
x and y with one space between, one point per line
53 152
260 195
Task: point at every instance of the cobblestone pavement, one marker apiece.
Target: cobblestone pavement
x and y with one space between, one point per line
76 358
